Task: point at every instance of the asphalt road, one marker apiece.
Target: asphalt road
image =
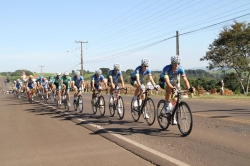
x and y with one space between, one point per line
39 134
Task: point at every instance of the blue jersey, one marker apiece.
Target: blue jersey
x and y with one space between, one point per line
115 77
138 71
18 85
96 79
167 71
30 83
78 81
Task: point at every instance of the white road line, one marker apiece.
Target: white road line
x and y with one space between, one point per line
164 156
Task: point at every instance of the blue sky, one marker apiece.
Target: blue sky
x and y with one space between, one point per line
39 33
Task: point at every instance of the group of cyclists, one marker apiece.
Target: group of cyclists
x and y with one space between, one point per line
63 82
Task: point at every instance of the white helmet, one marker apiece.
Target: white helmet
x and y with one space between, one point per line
58 73
18 80
145 62
98 72
77 73
14 81
66 73
117 66
176 59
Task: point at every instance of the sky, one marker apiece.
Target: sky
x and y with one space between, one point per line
44 32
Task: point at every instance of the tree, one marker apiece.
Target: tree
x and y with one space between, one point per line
105 71
231 51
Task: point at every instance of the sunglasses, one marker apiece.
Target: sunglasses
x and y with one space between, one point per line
144 66
174 63
116 70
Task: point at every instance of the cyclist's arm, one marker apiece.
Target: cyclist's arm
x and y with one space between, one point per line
166 78
122 81
151 80
186 82
111 81
138 80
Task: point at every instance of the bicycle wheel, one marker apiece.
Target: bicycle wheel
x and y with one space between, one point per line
111 107
120 107
184 118
134 110
101 105
149 111
161 115
80 101
94 106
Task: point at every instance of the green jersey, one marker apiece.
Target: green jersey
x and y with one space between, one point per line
57 82
66 81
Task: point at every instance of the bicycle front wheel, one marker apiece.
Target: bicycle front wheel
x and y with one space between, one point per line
184 118
80 101
162 116
120 107
111 107
101 105
135 112
149 111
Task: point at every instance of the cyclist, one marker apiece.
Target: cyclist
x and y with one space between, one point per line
66 81
58 83
30 86
18 87
168 79
78 83
38 84
14 86
113 79
137 79
96 79
44 87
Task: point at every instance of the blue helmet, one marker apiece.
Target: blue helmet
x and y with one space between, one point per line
40 77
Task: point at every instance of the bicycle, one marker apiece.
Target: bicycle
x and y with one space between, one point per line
117 103
98 102
146 107
78 102
56 100
65 101
181 111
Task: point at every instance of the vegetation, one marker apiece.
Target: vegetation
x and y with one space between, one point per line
232 51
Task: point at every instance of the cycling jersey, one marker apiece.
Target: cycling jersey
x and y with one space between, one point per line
78 81
138 71
50 81
172 75
114 77
18 85
66 81
38 81
44 84
57 82
97 81
30 83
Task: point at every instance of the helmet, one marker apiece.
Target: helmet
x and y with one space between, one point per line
58 74
77 73
49 77
18 80
31 76
66 73
176 59
145 62
98 72
40 77
14 81
117 66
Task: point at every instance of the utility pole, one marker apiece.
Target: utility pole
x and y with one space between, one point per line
41 68
177 53
81 56
177 43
